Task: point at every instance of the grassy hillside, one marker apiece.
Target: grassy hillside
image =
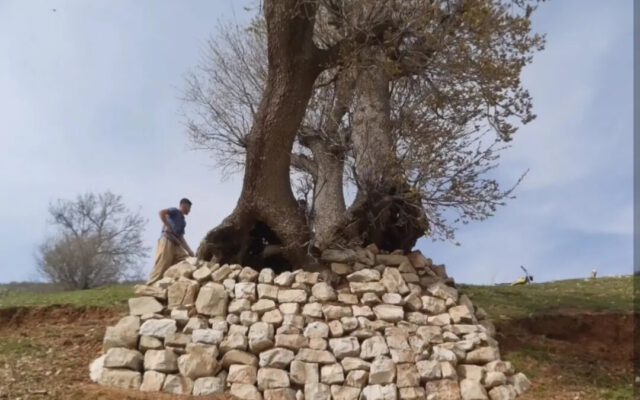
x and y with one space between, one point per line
573 339
501 302
577 295
107 297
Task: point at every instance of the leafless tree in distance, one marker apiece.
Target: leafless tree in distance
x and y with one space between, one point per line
97 241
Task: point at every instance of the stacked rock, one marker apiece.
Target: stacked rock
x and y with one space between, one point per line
370 326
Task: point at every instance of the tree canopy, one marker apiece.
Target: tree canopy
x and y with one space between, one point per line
405 104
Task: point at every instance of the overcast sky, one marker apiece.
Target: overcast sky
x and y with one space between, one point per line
89 101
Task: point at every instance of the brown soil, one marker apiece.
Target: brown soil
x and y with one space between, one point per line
45 353
573 356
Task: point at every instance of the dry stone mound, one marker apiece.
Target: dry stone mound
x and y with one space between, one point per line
370 326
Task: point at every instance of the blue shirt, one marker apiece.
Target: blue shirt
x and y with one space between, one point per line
177 223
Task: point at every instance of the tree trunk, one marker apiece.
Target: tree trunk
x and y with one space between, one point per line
328 197
328 149
267 215
385 212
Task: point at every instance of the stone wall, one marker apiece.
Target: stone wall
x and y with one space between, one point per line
371 327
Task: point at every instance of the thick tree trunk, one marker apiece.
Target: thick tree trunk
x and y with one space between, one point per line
328 197
267 214
385 212
328 149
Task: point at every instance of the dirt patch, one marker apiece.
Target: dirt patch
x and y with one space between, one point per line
18 316
606 336
573 357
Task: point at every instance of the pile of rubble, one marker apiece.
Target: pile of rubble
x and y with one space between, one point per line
371 326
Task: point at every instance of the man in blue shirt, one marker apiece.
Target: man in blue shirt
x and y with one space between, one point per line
172 247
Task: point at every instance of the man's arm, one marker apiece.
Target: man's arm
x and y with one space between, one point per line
164 217
186 246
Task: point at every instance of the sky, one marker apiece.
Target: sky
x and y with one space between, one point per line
90 101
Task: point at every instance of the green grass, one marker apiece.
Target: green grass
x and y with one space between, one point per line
501 302
12 347
600 295
105 297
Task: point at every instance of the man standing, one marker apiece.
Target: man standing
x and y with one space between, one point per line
172 247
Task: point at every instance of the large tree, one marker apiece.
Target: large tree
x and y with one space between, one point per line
394 96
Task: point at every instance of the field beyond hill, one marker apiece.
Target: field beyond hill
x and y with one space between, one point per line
574 339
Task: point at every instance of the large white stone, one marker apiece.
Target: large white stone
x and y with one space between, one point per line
243 391
197 365
373 347
315 356
304 372
471 372
234 341
506 392
182 293
332 374
123 358
152 381
317 391
483 355
280 394
272 378
239 373
412 393
266 275
261 336
472 390
123 334
208 386
152 291
144 305
357 378
208 336
344 347
180 270
212 300
120 378
461 314
276 358
364 275
379 392
263 305
355 363
444 389
382 371
520 383
367 287
239 357
316 329
407 375
245 290
387 312
394 282
159 328
266 291
176 384
322 291
292 296
293 341
161 361
429 370
433 305
96 367
493 379
441 290
344 392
